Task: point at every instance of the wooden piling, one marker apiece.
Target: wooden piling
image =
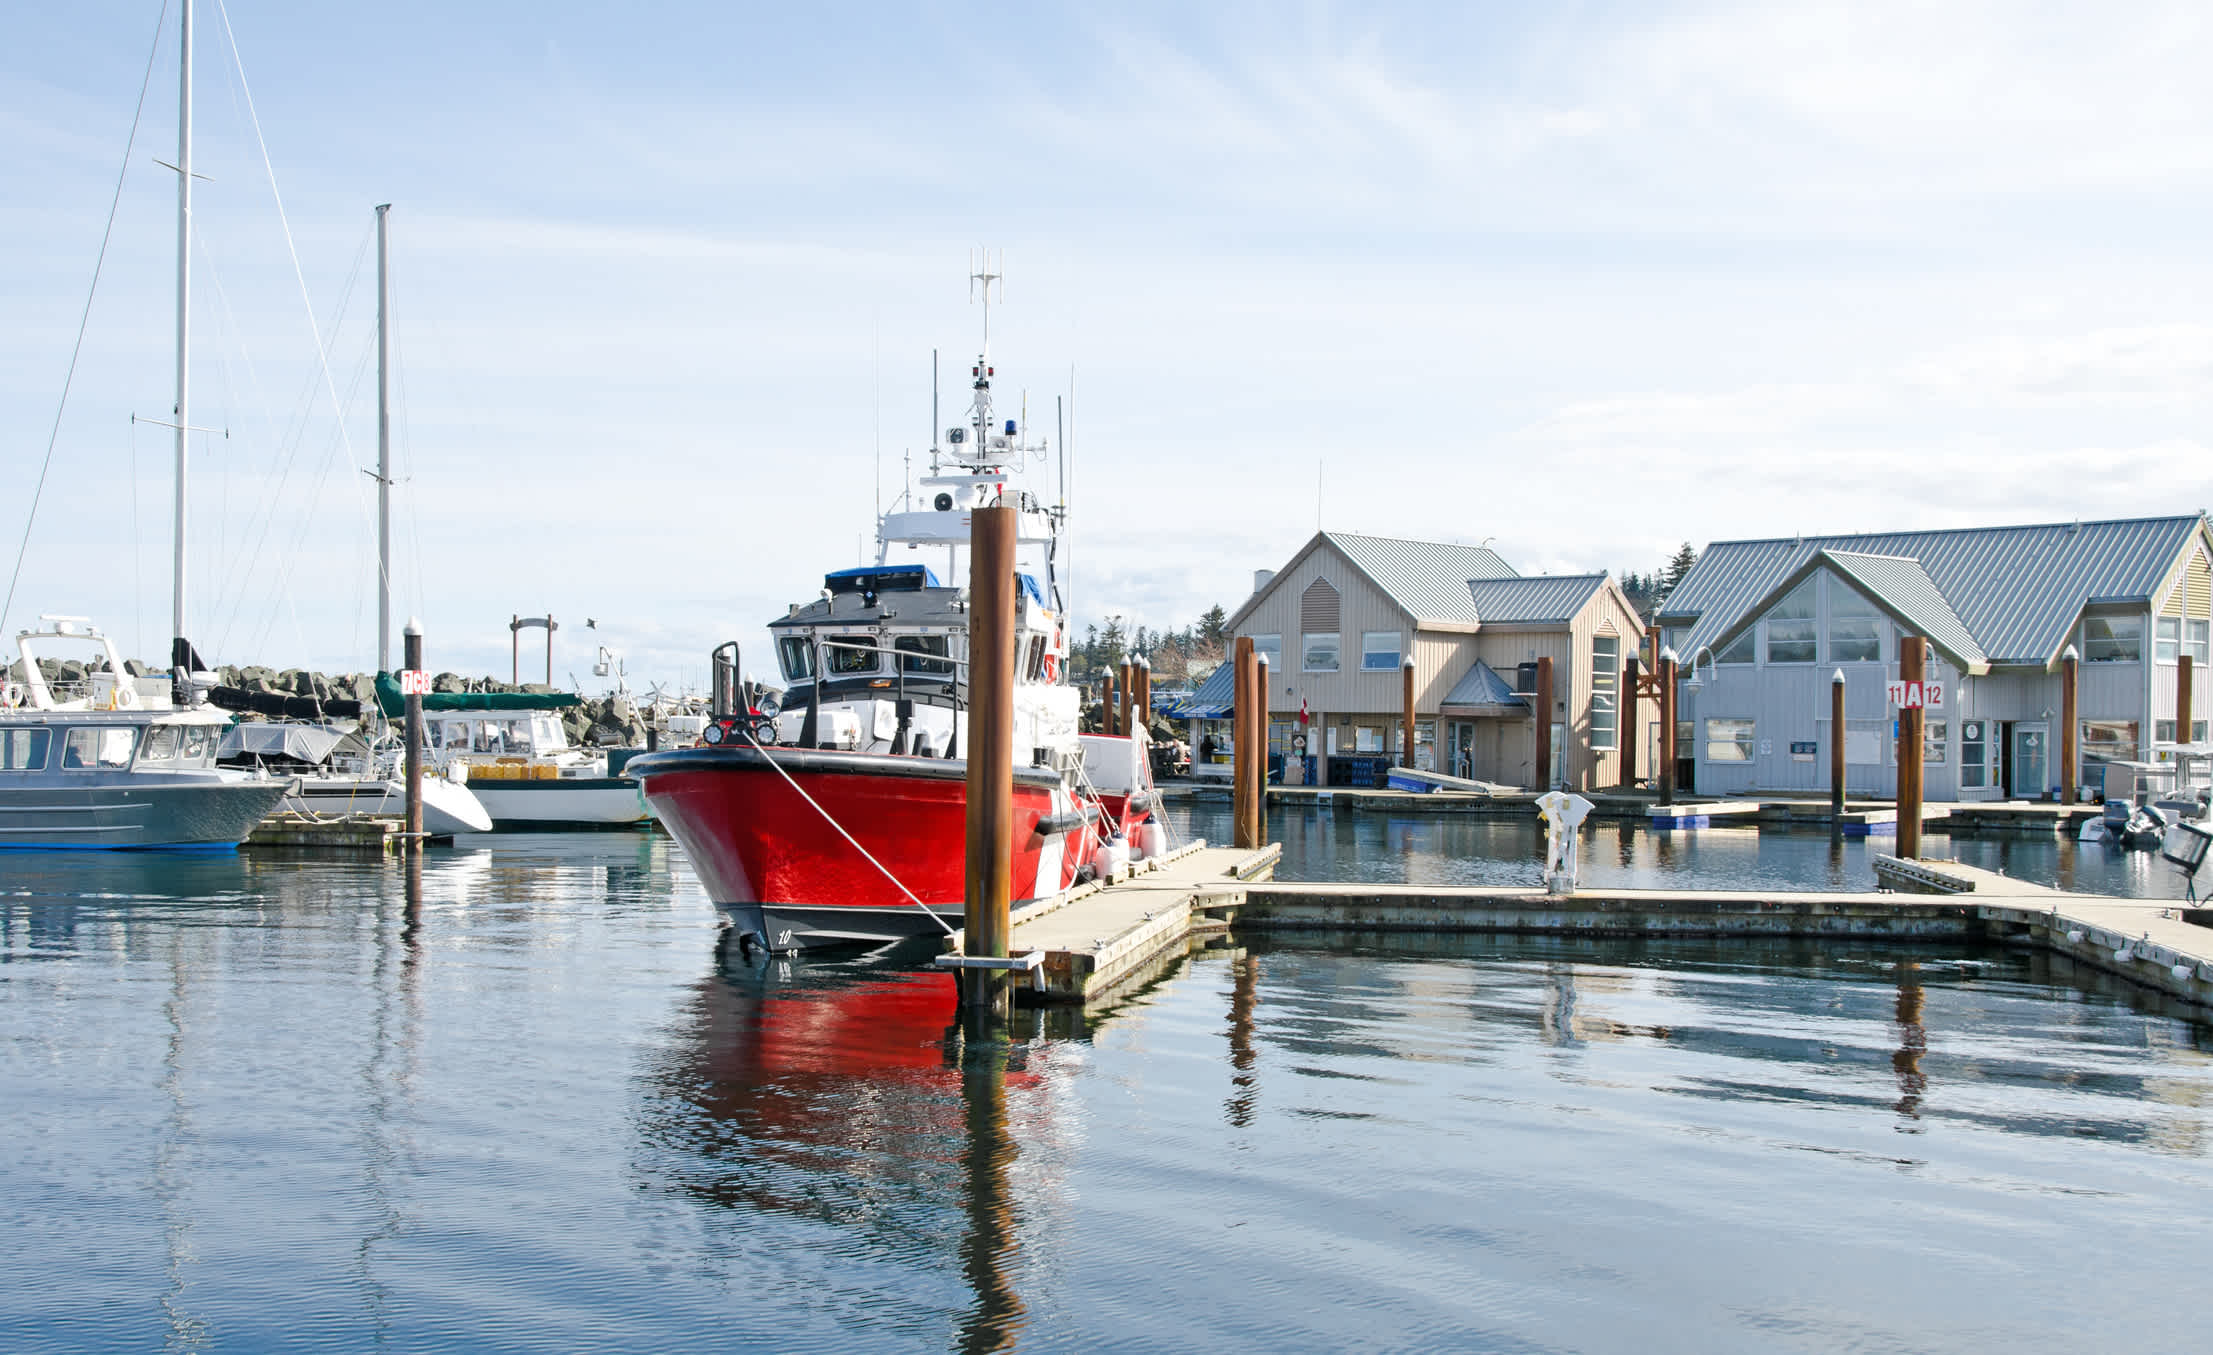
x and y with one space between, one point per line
1241 704
1544 723
2070 729
1106 704
1123 724
1666 768
2184 725
1629 704
1406 702
1912 664
411 658
990 874
1144 695
1836 749
1259 825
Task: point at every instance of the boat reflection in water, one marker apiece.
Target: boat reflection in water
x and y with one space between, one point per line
852 1097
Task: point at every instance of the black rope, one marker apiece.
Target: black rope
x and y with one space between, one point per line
84 320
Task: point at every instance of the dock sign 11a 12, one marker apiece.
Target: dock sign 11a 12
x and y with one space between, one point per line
1907 695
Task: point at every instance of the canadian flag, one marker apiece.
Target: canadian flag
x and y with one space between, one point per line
1302 712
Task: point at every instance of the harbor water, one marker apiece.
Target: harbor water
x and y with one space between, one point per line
1472 850
521 1104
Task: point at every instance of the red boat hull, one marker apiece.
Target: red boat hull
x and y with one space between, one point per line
762 828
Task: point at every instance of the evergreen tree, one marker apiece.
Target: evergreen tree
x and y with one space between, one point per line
1214 625
1679 565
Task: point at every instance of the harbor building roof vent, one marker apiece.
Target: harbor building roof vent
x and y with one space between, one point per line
1260 578
1318 608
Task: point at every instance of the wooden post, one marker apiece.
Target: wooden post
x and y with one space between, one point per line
2070 729
990 881
1259 827
1629 705
1406 700
1144 695
1836 749
1666 768
550 629
2184 725
1240 762
1544 723
411 658
514 650
1106 704
1911 664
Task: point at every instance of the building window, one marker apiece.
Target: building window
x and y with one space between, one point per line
2109 740
1379 650
1855 626
2167 639
2163 731
1729 740
1269 647
2112 639
1318 652
1790 627
1740 650
2194 640
1605 692
1936 736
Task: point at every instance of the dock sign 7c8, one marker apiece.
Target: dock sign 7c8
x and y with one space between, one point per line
1906 695
416 682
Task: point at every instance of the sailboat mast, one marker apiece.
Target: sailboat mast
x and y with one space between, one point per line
179 646
384 447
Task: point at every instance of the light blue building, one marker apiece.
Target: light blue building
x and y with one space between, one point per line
1760 628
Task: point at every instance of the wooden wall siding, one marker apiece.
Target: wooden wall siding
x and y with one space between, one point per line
2192 590
1361 606
1441 659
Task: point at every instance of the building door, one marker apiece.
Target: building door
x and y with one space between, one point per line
1980 766
2029 771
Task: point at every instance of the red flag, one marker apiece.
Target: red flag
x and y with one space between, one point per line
1302 712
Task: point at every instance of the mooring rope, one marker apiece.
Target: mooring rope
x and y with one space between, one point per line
826 818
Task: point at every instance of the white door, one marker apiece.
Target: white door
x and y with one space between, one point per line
1980 771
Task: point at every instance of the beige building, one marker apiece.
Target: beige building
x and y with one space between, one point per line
1338 622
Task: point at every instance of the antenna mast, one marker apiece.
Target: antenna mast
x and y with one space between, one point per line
179 647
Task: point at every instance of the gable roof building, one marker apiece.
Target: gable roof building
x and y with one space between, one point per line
1761 626
1347 615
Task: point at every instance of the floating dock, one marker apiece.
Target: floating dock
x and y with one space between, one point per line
1100 940
371 833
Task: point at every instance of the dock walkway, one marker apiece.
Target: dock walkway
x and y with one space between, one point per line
1101 939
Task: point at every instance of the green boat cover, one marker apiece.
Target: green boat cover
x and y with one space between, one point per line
394 705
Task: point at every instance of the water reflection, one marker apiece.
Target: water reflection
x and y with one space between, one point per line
1474 850
856 1098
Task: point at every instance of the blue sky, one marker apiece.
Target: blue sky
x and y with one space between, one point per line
1585 280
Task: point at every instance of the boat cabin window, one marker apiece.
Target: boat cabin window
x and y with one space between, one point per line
848 654
547 730
24 750
797 658
940 666
1035 667
162 742
450 734
86 749
197 744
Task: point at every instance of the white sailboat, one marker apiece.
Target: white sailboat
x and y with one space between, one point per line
129 762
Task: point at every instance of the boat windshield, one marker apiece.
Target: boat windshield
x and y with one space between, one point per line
797 658
162 742
919 645
98 748
24 750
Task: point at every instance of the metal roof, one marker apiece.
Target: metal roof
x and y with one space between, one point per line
1481 688
1896 584
1212 700
1555 598
2016 590
1427 578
